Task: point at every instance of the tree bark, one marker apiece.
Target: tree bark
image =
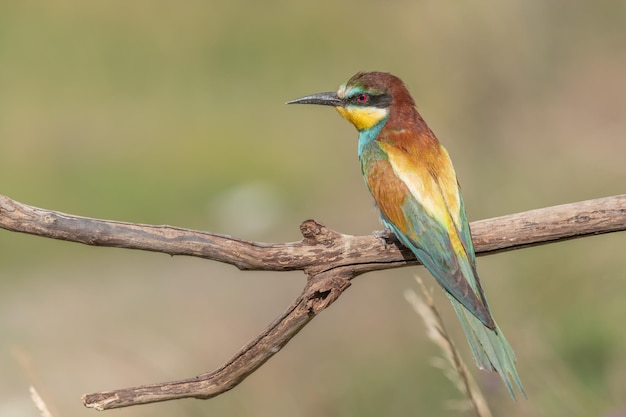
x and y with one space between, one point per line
330 260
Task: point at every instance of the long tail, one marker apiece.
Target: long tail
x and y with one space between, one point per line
490 349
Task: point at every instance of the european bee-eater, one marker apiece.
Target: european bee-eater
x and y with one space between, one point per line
410 176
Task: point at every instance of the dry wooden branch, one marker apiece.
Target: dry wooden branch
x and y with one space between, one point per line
330 260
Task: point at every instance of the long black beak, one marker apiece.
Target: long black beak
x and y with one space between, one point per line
324 99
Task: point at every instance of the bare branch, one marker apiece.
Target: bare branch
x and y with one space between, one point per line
330 259
321 249
317 295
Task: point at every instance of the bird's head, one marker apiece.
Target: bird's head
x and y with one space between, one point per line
364 100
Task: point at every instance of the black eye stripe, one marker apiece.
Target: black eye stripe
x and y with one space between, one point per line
379 100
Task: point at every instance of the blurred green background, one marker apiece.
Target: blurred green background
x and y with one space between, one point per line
173 113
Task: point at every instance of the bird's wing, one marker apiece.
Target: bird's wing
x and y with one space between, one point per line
416 190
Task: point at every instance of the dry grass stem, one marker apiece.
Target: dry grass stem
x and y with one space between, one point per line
453 366
39 403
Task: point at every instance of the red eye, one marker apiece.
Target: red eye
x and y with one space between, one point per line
362 98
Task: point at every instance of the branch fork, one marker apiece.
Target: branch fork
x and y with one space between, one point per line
330 259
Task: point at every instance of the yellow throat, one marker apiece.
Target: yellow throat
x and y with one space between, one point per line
363 118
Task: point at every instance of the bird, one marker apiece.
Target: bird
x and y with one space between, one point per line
414 185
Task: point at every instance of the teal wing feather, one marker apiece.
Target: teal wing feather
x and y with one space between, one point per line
429 243
425 210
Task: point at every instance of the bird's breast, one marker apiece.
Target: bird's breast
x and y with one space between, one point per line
388 190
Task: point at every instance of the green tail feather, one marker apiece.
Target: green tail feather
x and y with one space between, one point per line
490 349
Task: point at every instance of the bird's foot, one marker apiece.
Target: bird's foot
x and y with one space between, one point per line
385 236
